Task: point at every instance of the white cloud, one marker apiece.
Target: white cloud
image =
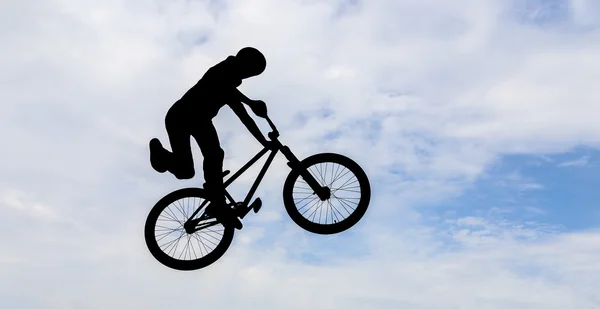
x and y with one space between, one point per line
583 161
86 85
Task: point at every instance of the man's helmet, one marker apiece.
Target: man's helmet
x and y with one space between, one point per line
252 62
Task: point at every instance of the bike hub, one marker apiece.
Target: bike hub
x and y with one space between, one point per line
324 193
190 226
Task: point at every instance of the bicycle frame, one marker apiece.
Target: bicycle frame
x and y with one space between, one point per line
293 163
258 179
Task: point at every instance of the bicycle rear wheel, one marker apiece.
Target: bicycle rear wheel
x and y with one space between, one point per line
171 245
350 194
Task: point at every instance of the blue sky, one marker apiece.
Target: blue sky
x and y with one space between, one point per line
476 121
558 190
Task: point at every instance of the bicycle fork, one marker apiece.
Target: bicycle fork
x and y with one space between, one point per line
322 192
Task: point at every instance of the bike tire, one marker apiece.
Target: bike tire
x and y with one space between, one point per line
338 226
166 259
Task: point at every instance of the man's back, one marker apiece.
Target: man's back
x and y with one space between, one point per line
214 90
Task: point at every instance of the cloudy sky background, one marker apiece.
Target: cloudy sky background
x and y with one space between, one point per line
476 120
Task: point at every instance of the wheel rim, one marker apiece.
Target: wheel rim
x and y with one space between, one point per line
345 191
175 242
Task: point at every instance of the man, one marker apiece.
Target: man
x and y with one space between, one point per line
192 116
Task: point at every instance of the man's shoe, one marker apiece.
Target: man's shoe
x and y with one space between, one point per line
224 214
157 158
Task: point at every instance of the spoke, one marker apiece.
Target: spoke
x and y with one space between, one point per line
308 203
183 252
336 210
192 245
344 183
347 185
175 241
166 218
320 212
308 208
167 234
307 188
305 194
340 176
163 221
218 239
168 228
168 244
191 207
320 209
203 244
335 174
169 215
314 198
187 209
200 243
164 234
159 228
315 212
313 173
173 214
302 188
184 206
348 199
354 191
301 180
320 170
333 211
327 211
344 205
347 189
218 232
182 209
207 240
178 209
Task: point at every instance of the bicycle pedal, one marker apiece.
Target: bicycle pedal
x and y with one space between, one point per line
256 205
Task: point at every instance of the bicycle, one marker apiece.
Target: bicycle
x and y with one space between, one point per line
311 191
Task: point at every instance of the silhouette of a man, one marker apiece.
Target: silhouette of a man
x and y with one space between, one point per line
192 116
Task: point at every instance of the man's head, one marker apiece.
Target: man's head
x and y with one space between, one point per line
251 62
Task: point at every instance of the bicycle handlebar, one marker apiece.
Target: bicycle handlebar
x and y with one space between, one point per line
274 134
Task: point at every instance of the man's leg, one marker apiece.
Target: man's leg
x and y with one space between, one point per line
180 161
208 140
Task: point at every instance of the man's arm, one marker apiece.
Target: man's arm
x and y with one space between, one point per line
241 112
243 98
257 106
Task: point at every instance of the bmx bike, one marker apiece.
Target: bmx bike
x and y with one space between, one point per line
181 236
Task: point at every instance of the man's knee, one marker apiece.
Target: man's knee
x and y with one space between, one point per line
183 172
185 175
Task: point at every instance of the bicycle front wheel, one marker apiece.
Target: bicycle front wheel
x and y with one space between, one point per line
350 194
168 240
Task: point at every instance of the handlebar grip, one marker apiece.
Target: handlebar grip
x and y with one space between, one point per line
273 135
